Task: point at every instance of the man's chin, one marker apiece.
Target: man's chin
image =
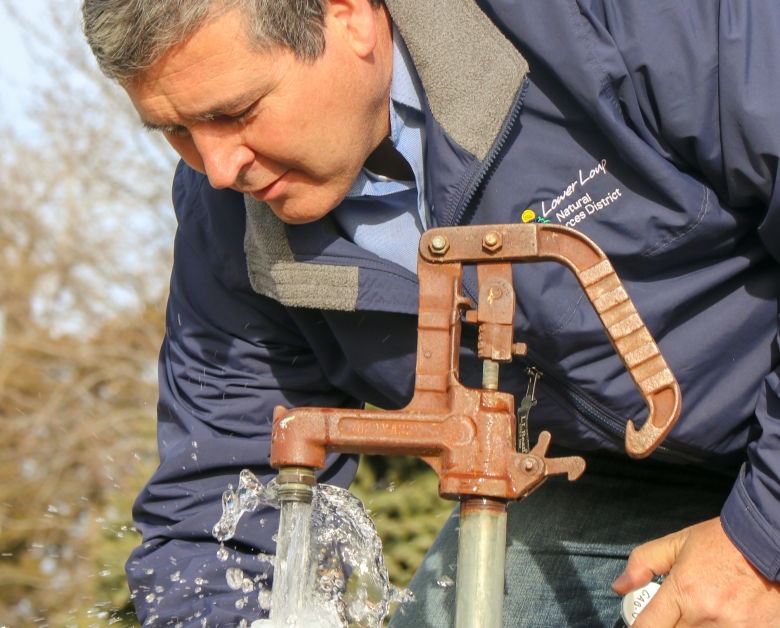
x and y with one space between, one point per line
298 212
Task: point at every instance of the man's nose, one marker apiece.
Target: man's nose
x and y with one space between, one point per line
224 157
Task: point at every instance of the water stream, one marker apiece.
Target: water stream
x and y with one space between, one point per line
329 570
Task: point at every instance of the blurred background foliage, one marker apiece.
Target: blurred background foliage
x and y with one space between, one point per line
401 495
86 231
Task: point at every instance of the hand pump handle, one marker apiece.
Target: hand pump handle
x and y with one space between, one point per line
624 327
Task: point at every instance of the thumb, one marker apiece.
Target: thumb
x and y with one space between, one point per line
648 560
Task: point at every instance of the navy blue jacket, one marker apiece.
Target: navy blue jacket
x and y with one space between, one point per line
653 127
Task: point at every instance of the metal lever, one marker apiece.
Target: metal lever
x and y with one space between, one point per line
502 244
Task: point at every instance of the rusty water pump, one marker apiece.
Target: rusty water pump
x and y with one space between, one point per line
469 435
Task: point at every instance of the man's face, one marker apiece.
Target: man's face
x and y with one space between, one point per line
290 133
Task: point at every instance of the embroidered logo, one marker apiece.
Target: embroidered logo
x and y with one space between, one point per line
575 204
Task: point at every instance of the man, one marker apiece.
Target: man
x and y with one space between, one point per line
651 128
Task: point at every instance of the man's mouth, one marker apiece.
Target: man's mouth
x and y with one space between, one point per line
271 191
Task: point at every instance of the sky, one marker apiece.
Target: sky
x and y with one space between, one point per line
18 74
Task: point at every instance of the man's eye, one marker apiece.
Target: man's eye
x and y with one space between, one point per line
178 131
175 130
243 116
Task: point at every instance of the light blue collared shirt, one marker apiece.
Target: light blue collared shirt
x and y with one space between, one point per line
382 215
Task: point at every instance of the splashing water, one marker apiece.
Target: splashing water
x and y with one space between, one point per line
329 571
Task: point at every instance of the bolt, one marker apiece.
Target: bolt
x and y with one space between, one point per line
439 245
519 348
492 241
529 465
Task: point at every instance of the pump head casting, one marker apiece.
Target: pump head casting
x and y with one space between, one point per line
468 435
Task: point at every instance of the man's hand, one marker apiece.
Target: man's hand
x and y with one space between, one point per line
710 583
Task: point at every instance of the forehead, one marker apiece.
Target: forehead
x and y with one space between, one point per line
213 66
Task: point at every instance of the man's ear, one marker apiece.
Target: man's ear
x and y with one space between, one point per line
354 20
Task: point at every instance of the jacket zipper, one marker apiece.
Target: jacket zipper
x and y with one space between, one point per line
481 176
595 416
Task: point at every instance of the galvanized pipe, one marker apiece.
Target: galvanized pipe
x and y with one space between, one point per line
489 375
296 484
481 559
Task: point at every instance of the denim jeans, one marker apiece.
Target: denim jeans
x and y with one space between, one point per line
568 541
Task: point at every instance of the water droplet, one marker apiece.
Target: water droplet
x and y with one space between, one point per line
222 554
243 624
201 581
52 509
176 576
195 444
148 572
151 597
247 586
105 573
48 566
391 487
264 599
241 602
194 457
234 577
445 581
159 589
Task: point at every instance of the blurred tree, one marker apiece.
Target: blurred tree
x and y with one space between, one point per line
401 494
85 236
85 242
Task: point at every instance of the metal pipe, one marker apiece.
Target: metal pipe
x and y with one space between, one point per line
481 559
296 484
489 375
481 550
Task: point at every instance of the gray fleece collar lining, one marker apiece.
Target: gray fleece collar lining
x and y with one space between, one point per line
273 271
471 72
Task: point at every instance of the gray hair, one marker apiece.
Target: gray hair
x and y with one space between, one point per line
129 36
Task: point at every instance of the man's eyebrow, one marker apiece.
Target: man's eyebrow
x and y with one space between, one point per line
223 108
215 112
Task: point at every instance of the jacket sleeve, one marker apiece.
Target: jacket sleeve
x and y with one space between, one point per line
228 358
703 88
749 96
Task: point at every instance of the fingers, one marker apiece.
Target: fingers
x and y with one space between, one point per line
663 611
655 557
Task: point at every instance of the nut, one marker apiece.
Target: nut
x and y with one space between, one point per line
492 241
439 245
295 478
